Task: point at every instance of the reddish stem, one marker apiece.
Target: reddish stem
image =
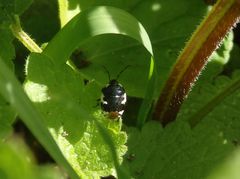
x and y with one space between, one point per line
224 15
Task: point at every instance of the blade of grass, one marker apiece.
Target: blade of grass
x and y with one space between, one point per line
93 22
97 21
12 91
223 16
147 102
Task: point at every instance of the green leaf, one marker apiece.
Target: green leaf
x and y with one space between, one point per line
98 21
23 165
60 94
170 26
20 168
222 54
59 91
168 23
228 169
7 114
11 7
49 171
215 103
34 22
218 60
21 6
7 51
175 151
12 91
234 63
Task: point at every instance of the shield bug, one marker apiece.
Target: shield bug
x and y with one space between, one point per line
114 97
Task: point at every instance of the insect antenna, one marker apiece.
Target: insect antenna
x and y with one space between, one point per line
109 77
122 71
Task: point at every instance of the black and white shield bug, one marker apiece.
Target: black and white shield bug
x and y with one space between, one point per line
114 97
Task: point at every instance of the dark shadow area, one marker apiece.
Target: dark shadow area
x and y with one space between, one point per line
40 154
34 23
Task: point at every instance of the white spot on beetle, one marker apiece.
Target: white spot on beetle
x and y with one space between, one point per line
124 99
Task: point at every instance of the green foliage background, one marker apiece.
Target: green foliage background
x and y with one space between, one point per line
202 143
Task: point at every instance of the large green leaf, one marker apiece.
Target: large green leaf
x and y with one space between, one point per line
175 151
16 162
212 108
228 169
7 52
7 114
68 105
12 91
215 103
7 49
169 25
10 8
59 92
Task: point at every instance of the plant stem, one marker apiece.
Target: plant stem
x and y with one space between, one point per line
65 12
62 11
24 38
223 16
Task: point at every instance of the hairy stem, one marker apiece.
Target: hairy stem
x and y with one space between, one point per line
223 16
24 38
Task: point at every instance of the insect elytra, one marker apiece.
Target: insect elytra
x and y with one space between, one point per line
114 97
